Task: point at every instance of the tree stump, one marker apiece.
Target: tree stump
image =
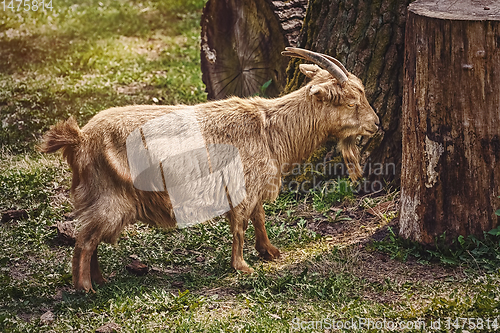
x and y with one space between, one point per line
368 38
242 42
450 177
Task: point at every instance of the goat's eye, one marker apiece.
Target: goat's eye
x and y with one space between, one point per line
351 105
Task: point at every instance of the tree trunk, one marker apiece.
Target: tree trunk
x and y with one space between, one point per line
368 38
451 120
242 43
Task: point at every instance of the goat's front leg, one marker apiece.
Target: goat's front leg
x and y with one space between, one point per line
238 227
262 243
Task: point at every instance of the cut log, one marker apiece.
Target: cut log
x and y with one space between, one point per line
451 114
368 38
242 42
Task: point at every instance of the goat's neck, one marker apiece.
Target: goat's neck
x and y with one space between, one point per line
293 127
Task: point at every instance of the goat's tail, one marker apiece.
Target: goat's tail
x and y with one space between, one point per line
65 135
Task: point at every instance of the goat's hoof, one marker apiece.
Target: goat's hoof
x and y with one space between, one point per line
84 288
84 285
244 268
99 280
247 270
269 253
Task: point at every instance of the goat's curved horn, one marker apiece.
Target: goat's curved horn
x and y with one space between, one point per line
293 54
336 62
332 65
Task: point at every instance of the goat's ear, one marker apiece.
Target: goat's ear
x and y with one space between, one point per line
309 70
319 92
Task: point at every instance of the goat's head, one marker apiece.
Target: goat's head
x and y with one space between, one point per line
339 98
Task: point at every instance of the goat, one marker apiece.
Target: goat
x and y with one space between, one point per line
268 133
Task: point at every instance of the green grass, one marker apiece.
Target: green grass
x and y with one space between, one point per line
86 56
83 57
191 286
474 252
332 193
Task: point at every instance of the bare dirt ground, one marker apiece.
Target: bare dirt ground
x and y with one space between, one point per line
364 226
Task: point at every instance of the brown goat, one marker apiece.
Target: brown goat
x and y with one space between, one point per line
268 134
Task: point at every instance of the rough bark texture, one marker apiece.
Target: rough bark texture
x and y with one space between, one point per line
242 43
451 115
368 37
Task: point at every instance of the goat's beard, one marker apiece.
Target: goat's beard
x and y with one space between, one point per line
350 152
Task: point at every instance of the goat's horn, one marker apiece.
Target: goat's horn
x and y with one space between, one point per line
293 54
332 65
336 62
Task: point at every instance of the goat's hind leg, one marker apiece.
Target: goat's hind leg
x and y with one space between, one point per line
95 271
82 258
101 224
86 267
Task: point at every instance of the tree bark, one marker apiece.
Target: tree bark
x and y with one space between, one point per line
368 38
242 43
451 116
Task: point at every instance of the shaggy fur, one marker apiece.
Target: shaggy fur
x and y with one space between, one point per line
267 132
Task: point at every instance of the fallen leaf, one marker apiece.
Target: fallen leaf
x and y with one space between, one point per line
108 328
137 268
47 318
